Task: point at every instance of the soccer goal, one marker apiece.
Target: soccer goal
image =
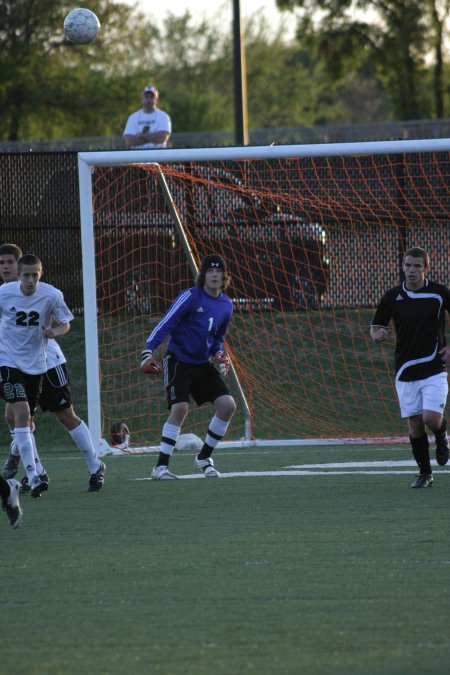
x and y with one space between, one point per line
313 236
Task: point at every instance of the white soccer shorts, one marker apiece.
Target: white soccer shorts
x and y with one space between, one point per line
428 394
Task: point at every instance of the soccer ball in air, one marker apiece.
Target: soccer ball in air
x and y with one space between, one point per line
81 26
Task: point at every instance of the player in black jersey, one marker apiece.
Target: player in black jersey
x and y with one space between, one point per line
417 307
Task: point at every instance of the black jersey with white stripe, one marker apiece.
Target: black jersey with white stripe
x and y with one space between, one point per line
419 319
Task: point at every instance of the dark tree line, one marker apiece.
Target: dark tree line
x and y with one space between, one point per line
339 69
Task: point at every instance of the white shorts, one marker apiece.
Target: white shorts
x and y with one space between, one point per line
429 394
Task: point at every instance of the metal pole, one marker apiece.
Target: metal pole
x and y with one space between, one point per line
239 78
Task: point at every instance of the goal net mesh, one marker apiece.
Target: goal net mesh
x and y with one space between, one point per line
311 244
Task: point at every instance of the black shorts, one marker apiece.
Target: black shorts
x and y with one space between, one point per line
17 386
55 393
203 382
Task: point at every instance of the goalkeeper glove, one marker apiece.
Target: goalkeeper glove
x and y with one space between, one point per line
223 363
149 365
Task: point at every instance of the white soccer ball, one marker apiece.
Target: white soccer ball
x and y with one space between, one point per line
81 26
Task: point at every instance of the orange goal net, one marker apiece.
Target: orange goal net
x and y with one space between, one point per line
312 242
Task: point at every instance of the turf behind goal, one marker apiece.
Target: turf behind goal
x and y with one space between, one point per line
313 236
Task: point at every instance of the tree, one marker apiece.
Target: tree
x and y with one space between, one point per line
50 87
398 36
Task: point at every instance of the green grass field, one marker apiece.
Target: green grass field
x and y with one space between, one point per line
334 571
270 574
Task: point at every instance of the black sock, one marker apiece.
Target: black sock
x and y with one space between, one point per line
440 433
421 453
163 459
205 452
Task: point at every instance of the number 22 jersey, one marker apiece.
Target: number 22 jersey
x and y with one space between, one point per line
22 320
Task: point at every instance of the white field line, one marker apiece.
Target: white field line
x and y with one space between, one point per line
329 469
377 464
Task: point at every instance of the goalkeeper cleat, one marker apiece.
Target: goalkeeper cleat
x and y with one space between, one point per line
11 504
423 480
11 466
442 450
207 466
37 487
97 479
162 473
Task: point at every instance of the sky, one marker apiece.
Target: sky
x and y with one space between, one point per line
204 8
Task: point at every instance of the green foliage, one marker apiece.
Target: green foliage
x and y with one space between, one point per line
371 64
400 38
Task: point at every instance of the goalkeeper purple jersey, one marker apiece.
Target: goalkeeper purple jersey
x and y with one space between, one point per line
196 323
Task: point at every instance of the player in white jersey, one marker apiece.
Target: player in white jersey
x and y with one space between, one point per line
31 313
148 127
55 394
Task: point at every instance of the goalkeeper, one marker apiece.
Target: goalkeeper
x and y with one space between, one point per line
195 363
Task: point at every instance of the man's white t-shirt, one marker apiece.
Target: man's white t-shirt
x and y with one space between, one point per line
22 320
157 120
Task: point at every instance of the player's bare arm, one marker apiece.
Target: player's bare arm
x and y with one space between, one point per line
445 354
56 331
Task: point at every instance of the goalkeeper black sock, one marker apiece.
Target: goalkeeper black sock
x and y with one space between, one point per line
216 431
421 453
163 459
205 452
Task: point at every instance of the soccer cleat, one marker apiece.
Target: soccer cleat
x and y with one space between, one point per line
423 480
25 486
207 466
97 479
37 487
162 473
11 466
11 504
442 450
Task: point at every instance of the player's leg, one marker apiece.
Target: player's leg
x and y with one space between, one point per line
11 466
9 495
434 396
56 397
177 378
421 452
30 385
21 391
79 432
212 387
170 432
411 407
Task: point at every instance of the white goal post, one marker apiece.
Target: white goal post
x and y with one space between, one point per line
335 205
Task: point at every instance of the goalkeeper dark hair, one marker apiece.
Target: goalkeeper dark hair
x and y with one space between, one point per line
213 262
11 249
